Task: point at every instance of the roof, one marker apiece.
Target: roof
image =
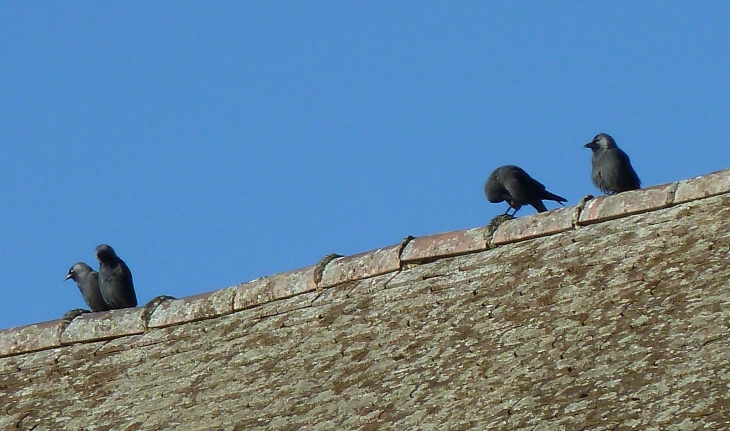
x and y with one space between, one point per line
613 313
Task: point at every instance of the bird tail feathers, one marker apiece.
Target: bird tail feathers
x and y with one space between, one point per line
556 198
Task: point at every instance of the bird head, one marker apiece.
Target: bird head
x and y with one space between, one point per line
602 141
71 274
78 270
105 254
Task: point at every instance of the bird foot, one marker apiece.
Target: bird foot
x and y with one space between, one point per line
495 222
501 219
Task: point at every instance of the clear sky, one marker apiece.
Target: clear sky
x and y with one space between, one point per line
211 143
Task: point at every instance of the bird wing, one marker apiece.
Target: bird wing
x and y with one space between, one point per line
526 180
130 293
632 178
522 187
517 187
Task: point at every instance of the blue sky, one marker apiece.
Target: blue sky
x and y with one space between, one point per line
211 143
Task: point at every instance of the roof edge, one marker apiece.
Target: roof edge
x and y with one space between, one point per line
334 270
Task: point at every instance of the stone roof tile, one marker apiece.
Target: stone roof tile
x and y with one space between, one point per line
105 325
427 248
38 336
277 286
362 265
703 186
197 307
535 226
610 207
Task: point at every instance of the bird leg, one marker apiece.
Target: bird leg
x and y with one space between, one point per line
511 208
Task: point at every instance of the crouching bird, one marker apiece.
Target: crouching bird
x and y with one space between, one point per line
512 184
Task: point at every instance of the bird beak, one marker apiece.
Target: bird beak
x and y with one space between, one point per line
590 145
69 275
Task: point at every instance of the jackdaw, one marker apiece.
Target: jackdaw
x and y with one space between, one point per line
612 170
88 282
512 184
115 279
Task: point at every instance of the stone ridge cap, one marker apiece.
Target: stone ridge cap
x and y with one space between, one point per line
334 270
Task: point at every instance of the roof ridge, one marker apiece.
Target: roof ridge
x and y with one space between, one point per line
334 270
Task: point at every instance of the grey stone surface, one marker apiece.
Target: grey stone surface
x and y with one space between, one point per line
198 307
619 325
703 186
39 336
368 264
427 248
541 224
109 324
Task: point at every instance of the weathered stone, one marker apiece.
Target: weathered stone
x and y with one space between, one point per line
278 286
454 243
363 265
105 325
704 186
38 336
540 224
609 207
197 307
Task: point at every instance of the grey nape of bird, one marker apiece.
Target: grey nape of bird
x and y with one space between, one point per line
88 282
612 171
115 279
512 184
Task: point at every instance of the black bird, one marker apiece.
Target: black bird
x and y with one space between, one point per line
115 279
88 282
612 171
512 184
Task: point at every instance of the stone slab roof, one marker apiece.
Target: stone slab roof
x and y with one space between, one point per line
614 314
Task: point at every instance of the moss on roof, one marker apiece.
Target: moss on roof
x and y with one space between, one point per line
607 316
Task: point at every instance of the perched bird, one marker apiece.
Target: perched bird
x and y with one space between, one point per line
88 282
512 184
115 279
612 170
